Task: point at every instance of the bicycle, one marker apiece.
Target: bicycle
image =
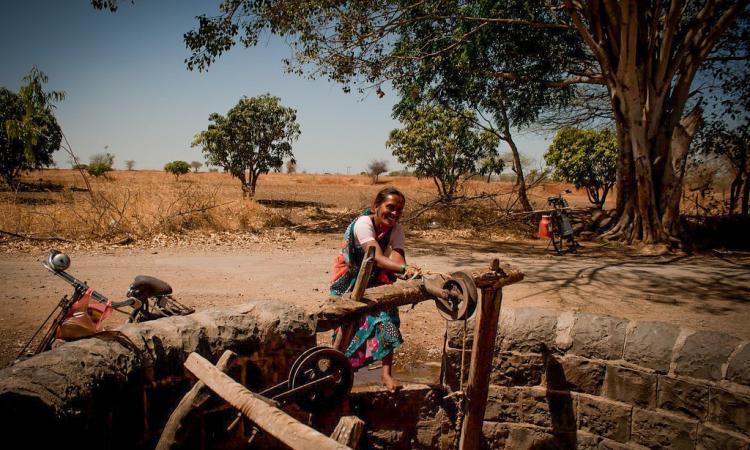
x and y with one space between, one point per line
560 229
148 298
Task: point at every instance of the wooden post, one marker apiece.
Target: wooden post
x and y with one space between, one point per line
363 277
270 419
194 399
348 431
482 351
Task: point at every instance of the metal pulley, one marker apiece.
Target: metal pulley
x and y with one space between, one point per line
457 298
320 378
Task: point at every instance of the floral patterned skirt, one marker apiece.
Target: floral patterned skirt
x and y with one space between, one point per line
376 337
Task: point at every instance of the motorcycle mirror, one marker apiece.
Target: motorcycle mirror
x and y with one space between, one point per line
57 260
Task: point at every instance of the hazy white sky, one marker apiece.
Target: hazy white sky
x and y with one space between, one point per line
127 87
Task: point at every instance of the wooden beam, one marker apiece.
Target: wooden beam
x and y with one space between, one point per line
270 419
194 399
477 387
336 311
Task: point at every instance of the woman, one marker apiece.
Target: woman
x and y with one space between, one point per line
376 336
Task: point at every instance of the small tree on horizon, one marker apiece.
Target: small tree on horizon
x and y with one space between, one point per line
291 166
375 168
177 168
100 164
196 165
129 164
253 138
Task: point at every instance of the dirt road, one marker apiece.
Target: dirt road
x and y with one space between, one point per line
703 292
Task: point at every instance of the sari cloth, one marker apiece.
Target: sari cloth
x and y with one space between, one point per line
376 335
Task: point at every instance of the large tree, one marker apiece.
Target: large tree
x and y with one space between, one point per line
646 55
29 133
254 137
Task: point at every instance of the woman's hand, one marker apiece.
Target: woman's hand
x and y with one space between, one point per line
412 272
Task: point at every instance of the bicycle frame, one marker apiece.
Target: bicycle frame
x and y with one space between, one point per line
560 225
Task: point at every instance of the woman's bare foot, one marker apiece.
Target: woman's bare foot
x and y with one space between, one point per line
390 382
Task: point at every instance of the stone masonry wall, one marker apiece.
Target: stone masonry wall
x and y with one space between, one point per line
577 380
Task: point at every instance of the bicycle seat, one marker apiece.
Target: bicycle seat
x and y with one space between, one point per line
150 286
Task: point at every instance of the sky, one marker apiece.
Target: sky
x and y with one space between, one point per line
128 91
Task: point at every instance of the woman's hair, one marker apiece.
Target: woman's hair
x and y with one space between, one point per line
385 192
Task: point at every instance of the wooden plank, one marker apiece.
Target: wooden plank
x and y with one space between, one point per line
363 277
348 431
339 310
195 398
485 332
270 419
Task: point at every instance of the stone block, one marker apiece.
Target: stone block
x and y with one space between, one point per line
650 344
494 435
729 409
683 396
549 409
587 441
738 369
630 386
452 368
661 429
608 444
503 404
604 417
527 330
456 334
527 437
714 438
580 374
703 354
517 369
597 336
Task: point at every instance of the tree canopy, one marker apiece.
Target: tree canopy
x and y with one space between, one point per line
177 168
586 158
441 144
29 132
253 138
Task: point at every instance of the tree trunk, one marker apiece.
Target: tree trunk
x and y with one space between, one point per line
648 59
517 168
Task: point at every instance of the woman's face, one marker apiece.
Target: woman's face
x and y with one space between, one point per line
389 212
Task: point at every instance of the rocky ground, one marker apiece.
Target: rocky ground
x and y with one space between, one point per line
706 291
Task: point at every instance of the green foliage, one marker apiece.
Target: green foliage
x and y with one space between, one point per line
80 166
100 164
441 144
177 168
29 132
491 165
586 158
196 165
253 138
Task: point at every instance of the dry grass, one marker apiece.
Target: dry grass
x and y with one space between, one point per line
144 203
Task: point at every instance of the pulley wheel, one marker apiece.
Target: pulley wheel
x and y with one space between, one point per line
314 366
467 310
462 297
